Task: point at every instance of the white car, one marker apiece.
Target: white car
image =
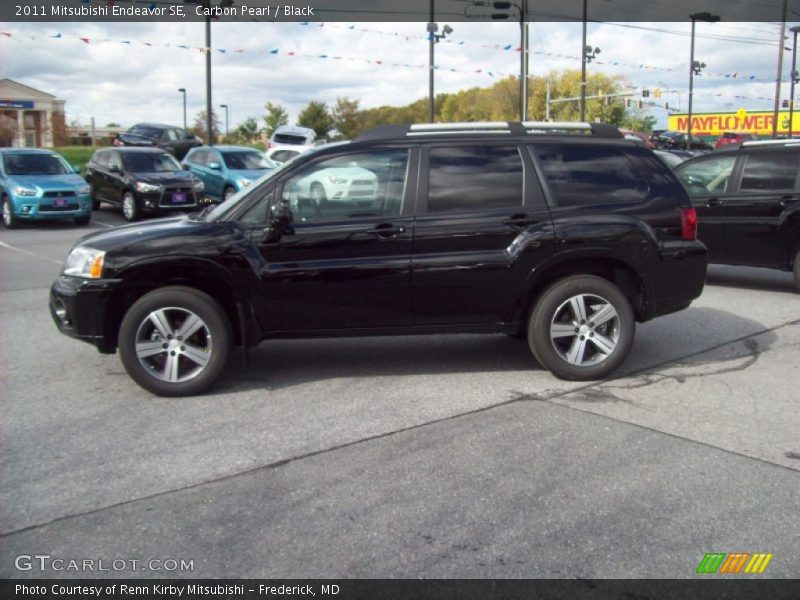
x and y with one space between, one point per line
336 184
282 154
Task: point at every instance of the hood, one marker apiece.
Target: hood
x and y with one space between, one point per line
169 229
182 177
67 181
132 139
251 174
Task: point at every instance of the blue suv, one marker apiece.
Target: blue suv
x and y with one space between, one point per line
226 170
39 184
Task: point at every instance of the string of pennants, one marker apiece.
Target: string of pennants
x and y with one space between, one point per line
516 48
322 56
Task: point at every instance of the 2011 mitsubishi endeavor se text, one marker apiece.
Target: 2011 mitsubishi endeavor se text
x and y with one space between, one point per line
563 233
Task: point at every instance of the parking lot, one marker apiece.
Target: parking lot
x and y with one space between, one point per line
419 457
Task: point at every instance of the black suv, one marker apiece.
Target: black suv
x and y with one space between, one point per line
564 234
174 140
748 203
142 180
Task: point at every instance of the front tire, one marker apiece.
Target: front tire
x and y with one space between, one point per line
175 341
130 207
10 220
582 328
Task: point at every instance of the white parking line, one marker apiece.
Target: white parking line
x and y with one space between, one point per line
96 222
21 251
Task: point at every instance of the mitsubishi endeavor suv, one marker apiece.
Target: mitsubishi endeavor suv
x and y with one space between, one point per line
563 234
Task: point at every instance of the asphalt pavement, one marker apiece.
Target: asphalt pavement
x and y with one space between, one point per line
416 456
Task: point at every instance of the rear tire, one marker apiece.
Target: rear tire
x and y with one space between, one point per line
582 328
10 220
175 341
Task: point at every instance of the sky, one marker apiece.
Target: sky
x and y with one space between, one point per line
125 83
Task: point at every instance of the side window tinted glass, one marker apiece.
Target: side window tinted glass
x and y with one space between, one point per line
708 176
580 175
256 215
101 159
114 159
769 172
349 186
198 158
470 178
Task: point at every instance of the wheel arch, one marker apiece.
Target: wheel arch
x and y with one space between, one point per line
616 267
197 273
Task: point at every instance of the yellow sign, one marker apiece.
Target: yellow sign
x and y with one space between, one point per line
715 124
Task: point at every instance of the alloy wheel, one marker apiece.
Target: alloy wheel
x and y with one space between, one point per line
585 330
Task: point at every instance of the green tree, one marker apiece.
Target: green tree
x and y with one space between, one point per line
246 132
275 117
113 125
316 116
346 118
199 128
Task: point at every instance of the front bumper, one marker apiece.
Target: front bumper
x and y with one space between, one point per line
159 202
78 307
34 209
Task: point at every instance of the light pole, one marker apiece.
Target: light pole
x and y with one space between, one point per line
433 38
183 91
225 106
523 46
795 79
587 54
695 66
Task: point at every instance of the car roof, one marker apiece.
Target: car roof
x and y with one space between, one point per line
28 151
223 148
155 126
133 150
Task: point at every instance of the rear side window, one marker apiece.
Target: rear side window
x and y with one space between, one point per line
579 175
472 178
769 172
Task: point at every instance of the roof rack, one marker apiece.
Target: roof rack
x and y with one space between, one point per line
789 141
393 132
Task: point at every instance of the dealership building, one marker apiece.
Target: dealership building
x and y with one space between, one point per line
39 116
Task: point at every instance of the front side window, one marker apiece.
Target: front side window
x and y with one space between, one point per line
580 175
145 131
197 158
707 176
349 186
769 172
473 178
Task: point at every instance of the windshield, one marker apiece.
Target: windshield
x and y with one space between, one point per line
242 160
36 164
144 131
149 162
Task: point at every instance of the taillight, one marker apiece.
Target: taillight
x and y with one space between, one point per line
688 224
270 145
117 142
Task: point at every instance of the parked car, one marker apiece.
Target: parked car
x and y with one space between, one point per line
565 238
748 204
174 140
676 140
39 184
292 137
142 180
734 137
629 134
345 185
226 170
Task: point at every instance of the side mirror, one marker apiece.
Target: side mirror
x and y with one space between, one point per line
215 165
76 169
114 168
280 213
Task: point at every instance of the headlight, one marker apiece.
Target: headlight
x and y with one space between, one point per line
337 180
85 262
84 190
147 187
199 186
244 182
24 191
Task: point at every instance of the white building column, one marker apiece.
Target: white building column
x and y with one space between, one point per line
47 138
20 128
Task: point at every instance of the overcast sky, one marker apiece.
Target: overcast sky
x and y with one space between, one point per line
126 83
